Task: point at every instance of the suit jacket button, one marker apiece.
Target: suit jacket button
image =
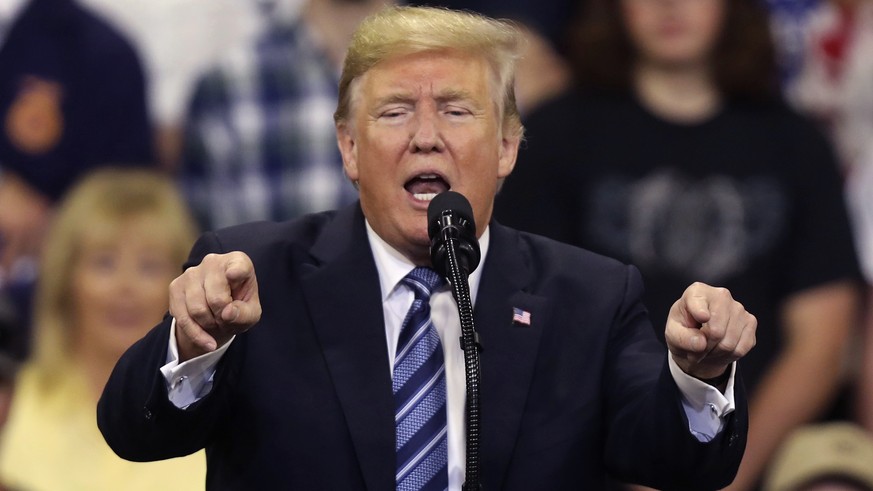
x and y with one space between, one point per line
147 413
732 439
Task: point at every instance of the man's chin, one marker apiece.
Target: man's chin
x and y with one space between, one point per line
419 247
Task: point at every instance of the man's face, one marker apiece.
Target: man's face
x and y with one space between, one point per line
421 124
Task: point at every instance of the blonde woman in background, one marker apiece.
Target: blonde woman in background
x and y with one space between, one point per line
116 243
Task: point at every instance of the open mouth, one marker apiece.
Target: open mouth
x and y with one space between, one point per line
424 187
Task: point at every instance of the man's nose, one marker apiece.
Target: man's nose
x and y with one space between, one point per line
426 133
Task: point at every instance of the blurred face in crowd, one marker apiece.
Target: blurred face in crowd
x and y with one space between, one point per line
119 285
673 33
421 124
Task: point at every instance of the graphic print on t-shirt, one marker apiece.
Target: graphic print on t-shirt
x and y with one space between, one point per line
707 229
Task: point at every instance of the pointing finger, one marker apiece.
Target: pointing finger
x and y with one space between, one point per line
241 315
238 268
695 305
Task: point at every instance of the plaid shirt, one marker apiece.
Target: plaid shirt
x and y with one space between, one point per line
260 142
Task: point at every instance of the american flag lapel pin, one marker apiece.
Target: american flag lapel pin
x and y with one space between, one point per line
520 317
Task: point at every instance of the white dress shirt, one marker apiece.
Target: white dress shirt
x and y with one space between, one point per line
704 405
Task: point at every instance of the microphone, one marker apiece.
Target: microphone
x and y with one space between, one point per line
454 254
450 224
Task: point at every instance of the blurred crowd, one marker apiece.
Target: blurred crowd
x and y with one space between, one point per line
734 134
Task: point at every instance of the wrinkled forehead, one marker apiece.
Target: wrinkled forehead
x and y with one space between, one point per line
467 58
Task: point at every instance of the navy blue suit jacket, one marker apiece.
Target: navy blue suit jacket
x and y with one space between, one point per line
303 400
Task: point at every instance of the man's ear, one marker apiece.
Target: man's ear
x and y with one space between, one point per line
345 139
508 155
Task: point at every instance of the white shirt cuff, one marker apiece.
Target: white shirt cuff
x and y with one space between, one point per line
189 381
705 406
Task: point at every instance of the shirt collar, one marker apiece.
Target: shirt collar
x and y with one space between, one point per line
394 266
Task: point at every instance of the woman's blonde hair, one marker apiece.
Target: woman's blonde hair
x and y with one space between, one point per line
104 200
399 31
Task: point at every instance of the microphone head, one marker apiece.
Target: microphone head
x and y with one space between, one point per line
445 202
451 225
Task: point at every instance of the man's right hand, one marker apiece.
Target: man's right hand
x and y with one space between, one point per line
214 301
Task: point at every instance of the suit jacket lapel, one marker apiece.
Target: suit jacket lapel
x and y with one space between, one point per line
509 349
343 294
344 298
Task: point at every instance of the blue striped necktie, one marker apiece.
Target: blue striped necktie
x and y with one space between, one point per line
420 393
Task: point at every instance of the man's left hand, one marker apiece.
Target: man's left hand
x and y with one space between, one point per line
707 330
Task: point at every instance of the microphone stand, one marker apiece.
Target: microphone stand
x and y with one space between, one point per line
471 347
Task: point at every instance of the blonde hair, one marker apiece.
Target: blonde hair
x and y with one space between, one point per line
104 200
399 31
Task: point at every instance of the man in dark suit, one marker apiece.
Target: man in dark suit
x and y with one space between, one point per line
574 388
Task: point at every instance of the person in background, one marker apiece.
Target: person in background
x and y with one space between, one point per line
178 41
678 156
833 456
789 20
72 98
113 247
259 140
832 84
